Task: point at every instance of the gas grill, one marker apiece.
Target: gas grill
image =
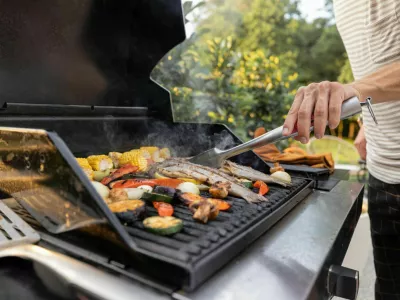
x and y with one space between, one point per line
88 85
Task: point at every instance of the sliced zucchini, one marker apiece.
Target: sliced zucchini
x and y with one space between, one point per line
163 225
154 197
246 183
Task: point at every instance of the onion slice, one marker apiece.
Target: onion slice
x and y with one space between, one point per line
134 193
101 189
146 188
188 187
282 176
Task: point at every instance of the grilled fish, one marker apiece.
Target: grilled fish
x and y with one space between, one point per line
213 176
248 173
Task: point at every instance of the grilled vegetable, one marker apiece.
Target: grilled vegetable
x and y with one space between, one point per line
146 188
154 197
126 169
163 225
188 187
100 175
151 150
262 186
136 158
170 182
117 195
165 153
221 204
277 167
101 189
220 189
188 198
204 210
156 157
115 158
84 164
128 211
165 190
144 153
100 162
282 176
134 193
131 183
163 209
246 183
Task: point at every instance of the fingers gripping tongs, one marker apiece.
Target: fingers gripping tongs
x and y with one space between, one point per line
215 157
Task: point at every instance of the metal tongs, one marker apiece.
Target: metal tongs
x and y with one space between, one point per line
215 157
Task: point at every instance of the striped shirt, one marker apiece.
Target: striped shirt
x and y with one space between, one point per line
370 30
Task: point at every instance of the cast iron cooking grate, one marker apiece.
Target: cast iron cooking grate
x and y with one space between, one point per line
197 240
203 248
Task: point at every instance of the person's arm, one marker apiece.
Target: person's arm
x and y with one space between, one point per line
382 85
325 99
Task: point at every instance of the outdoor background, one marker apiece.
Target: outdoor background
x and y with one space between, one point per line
243 61
242 64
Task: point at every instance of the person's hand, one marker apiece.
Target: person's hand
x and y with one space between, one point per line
361 144
324 101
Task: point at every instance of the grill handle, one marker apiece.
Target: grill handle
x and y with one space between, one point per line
350 108
62 274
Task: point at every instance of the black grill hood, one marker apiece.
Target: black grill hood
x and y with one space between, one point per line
86 54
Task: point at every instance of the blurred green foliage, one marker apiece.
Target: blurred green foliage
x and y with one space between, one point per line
246 59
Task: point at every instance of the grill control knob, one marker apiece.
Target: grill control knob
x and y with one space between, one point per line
342 282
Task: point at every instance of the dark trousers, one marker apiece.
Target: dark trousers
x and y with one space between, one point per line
384 213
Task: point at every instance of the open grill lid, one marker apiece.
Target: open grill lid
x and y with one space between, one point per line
86 54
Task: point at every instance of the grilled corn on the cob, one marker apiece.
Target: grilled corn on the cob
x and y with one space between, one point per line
156 157
84 164
146 154
115 158
151 150
165 153
100 162
134 157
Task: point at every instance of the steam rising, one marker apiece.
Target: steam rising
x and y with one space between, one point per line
186 139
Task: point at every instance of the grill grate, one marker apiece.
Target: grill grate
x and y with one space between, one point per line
197 240
203 248
13 230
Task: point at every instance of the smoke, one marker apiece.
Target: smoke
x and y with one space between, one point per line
188 139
